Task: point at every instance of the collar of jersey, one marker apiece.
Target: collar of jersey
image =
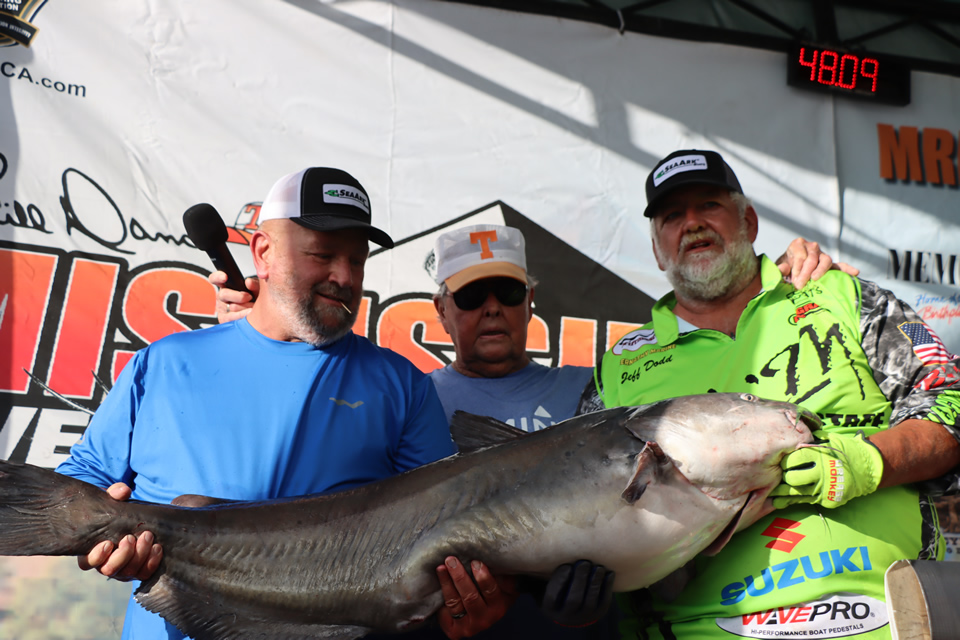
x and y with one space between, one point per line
667 326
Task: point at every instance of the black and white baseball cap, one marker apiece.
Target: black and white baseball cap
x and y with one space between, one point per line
688 166
322 199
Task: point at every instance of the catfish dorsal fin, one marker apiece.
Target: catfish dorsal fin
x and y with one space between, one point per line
471 432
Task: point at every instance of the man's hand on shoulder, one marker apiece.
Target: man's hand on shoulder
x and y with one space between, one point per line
133 558
804 261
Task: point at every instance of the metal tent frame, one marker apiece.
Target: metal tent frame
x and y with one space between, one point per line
923 35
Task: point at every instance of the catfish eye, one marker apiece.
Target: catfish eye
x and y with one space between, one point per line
749 397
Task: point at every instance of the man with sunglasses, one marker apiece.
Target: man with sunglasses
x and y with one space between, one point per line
485 304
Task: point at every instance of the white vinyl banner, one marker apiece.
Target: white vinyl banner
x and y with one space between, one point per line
899 181
120 115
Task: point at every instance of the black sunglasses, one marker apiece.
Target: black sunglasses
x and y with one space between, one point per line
509 292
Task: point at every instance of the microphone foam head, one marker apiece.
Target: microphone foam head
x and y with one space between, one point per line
204 226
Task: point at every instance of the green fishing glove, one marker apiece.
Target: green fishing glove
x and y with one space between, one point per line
832 473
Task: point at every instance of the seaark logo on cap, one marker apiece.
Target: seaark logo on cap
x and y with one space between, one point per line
345 194
679 165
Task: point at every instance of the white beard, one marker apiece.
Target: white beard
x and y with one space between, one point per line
713 274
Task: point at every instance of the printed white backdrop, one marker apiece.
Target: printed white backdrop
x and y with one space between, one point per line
123 114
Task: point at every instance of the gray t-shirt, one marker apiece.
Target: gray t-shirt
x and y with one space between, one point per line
530 399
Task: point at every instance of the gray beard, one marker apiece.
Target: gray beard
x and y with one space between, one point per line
708 278
316 324
309 325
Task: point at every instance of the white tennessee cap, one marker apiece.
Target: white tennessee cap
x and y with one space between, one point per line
480 251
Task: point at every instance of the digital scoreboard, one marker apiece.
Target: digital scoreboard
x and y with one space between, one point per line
856 74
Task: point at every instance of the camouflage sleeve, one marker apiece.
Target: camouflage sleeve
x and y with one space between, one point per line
590 399
911 365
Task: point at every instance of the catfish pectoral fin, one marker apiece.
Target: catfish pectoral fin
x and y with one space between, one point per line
649 462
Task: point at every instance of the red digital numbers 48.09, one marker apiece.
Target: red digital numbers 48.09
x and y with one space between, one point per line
845 71
860 75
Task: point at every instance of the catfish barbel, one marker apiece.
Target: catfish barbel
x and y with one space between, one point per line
640 490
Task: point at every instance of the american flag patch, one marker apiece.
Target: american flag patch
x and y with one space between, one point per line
926 344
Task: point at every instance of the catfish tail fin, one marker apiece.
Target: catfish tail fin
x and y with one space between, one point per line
44 513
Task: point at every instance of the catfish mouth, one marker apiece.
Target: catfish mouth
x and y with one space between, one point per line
721 540
811 422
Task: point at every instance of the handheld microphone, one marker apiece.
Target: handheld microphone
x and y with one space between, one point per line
206 230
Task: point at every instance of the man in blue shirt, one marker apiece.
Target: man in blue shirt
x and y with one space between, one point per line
318 408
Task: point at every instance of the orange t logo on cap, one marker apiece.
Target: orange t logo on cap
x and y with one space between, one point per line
484 238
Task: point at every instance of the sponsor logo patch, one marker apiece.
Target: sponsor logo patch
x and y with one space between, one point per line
634 341
839 615
634 375
809 291
795 571
942 376
853 419
345 194
14 25
835 486
695 162
344 403
783 538
626 362
805 310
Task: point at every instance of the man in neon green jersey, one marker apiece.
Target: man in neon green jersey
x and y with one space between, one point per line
886 388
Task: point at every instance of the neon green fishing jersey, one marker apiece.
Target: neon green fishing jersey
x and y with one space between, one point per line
799 572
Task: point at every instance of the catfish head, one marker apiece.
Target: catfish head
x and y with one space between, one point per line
727 445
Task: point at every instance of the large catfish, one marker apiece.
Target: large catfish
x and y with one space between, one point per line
641 490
